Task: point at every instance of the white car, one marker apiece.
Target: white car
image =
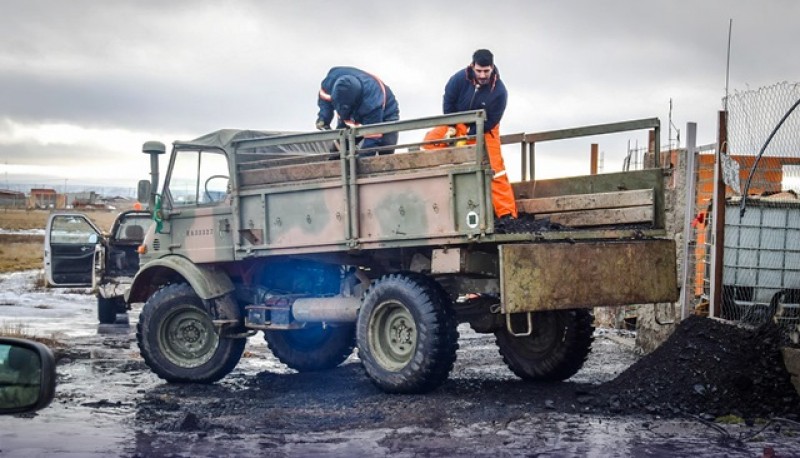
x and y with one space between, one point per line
78 254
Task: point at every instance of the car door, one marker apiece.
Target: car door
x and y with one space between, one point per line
69 249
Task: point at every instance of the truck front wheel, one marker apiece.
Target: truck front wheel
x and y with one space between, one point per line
406 333
178 339
555 351
313 348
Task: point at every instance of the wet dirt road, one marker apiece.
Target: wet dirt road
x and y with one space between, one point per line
109 404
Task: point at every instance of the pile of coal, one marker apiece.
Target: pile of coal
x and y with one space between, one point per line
708 368
524 223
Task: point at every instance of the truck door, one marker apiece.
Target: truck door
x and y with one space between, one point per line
127 233
197 207
69 250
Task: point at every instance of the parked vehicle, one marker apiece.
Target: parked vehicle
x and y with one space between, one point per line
78 254
263 232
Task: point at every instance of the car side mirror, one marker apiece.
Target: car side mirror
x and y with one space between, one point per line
27 376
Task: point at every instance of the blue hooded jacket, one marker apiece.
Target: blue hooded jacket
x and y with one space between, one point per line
359 98
463 93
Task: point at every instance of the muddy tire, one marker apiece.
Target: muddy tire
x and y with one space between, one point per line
406 334
178 340
108 308
556 350
314 348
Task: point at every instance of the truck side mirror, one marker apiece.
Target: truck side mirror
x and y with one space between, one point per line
27 376
143 191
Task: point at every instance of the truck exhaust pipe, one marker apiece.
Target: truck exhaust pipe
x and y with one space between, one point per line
290 312
154 149
328 309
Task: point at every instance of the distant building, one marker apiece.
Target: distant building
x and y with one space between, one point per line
82 199
43 198
12 199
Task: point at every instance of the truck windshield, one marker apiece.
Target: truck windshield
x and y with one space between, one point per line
197 178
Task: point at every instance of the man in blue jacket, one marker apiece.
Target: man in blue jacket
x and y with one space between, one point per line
358 98
478 86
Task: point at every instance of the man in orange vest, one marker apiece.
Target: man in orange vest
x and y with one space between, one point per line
478 86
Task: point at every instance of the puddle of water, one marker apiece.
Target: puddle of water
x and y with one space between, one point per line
95 411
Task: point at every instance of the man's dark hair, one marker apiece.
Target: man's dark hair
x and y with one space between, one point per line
483 57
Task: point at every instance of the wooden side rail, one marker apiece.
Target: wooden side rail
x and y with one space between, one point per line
366 166
599 209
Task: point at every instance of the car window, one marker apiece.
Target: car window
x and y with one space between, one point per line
133 228
72 229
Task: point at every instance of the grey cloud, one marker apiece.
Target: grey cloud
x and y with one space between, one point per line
196 66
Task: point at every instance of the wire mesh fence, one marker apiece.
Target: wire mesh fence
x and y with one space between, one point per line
697 254
761 261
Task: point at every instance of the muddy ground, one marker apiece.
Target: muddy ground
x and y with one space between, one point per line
109 404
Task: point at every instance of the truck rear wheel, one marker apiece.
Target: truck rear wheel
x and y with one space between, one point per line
108 308
178 339
556 350
406 333
313 348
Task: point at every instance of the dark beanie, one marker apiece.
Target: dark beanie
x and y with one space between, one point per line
346 93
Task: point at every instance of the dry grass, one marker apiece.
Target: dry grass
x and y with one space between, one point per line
18 252
21 256
19 331
15 219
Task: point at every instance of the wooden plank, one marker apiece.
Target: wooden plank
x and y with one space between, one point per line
587 184
285 160
601 217
580 202
315 171
416 160
606 182
389 163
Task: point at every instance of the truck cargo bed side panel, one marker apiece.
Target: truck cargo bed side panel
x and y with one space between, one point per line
552 276
418 205
308 217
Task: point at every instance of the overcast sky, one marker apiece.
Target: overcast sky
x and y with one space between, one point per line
84 83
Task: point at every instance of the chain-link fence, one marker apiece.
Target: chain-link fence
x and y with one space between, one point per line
761 261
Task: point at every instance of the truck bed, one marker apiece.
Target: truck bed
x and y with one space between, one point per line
426 197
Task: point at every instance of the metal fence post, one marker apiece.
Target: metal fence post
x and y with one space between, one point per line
718 219
687 283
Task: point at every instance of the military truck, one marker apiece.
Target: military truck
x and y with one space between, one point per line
324 252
